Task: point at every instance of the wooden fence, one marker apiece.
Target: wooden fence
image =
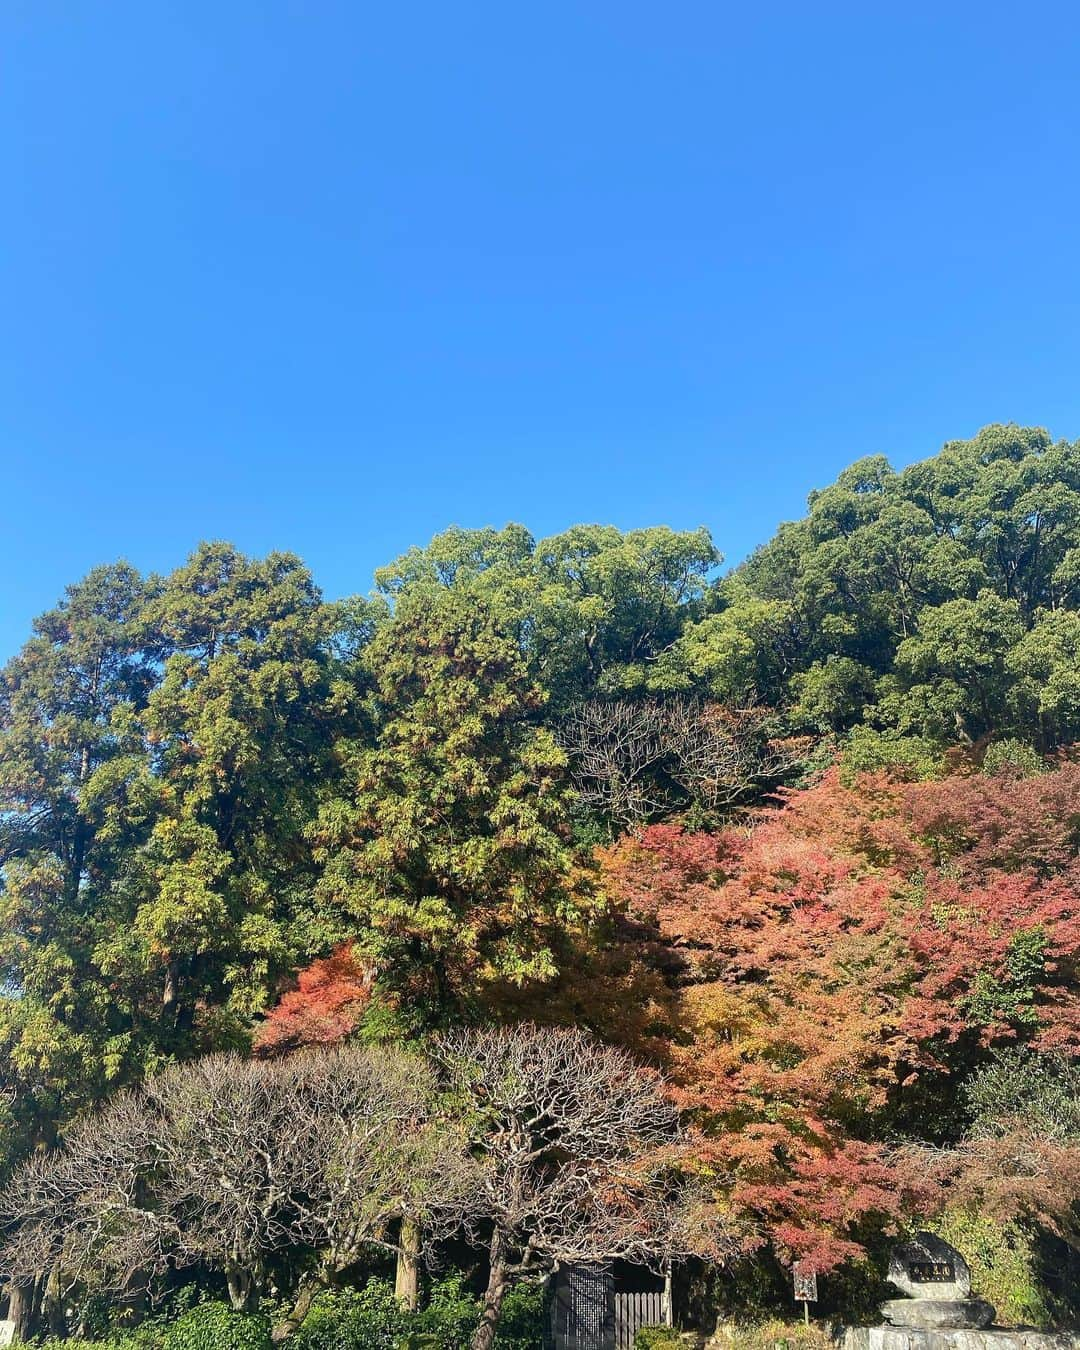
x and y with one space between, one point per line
634 1311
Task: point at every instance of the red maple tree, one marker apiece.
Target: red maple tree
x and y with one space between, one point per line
324 1008
840 959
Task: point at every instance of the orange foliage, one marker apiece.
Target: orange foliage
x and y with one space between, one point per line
835 960
324 1008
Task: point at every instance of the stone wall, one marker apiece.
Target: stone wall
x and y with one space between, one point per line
907 1338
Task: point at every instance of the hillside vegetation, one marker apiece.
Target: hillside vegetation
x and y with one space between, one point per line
802 835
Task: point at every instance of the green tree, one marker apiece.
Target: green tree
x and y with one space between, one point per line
73 801
161 743
241 728
592 610
739 654
952 675
447 854
1046 665
985 533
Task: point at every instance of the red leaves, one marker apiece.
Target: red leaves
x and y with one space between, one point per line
846 944
1000 957
1001 823
324 1008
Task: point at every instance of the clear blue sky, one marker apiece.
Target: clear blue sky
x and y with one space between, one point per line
330 276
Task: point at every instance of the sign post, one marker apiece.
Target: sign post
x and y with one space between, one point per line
805 1288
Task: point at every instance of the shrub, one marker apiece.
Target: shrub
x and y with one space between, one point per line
777 1334
356 1319
149 1335
915 757
215 1326
207 1326
657 1338
1003 1266
352 1319
521 1326
448 1321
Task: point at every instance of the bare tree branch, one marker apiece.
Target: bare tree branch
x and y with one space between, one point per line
581 1158
632 761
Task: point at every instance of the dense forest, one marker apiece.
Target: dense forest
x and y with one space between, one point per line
801 836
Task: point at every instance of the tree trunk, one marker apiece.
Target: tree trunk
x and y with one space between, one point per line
407 1279
498 1282
23 1309
305 1297
53 1305
243 1291
171 991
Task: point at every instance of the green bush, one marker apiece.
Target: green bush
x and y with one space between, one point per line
1003 1266
149 1336
521 1326
915 757
449 1319
207 1326
350 1319
1013 758
356 1319
215 1326
657 1338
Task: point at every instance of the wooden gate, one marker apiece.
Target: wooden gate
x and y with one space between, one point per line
634 1311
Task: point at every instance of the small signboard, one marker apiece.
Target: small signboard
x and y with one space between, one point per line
805 1285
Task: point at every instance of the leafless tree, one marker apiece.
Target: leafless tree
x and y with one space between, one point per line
79 1213
230 1162
720 755
633 760
554 1148
580 1158
615 748
381 1164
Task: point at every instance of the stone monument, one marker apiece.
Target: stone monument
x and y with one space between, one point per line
937 1283
7 1331
939 1311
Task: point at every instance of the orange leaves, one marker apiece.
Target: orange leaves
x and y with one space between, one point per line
851 948
788 986
324 1008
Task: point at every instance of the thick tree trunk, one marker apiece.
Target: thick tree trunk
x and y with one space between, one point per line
25 1302
498 1283
53 1305
407 1279
243 1290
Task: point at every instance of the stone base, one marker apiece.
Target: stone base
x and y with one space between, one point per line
911 1338
938 1314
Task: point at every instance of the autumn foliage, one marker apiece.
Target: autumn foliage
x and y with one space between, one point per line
836 967
324 1008
818 982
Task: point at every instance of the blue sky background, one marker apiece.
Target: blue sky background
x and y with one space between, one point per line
330 276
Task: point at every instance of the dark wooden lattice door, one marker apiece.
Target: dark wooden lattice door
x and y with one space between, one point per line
585 1309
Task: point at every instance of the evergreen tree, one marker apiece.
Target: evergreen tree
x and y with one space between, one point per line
448 856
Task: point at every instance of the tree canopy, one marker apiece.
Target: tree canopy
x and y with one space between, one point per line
803 835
